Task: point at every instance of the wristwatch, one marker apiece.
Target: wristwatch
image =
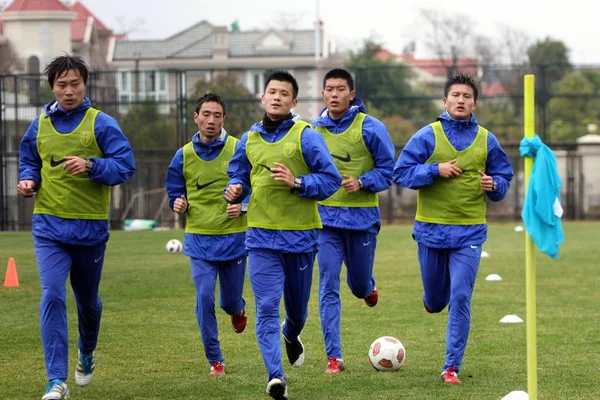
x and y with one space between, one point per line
360 184
89 164
297 183
494 185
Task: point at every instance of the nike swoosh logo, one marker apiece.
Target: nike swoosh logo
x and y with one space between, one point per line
240 260
342 159
303 268
97 259
199 186
474 247
54 163
264 166
367 243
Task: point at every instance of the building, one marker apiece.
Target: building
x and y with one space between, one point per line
204 50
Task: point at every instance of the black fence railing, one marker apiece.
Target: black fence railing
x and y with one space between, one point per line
155 108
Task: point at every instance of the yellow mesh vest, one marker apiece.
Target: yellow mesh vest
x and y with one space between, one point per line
273 205
351 157
459 200
205 181
62 194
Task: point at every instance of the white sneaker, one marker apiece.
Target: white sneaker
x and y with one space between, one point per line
86 364
55 390
277 389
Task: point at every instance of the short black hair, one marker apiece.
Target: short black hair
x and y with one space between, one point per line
283 76
210 97
462 79
339 73
62 64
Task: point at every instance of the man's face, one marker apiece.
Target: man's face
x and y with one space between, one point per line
210 119
460 102
337 96
68 90
278 99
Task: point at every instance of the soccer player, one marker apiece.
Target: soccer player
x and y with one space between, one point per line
215 230
456 165
289 168
70 157
364 154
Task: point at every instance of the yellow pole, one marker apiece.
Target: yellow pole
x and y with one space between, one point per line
529 250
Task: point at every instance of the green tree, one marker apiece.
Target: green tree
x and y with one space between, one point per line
147 128
550 60
386 85
574 106
243 108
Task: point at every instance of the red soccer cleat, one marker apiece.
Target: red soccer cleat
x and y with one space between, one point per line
217 368
239 321
372 299
450 376
334 365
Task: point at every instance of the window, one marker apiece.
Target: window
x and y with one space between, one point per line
255 81
153 86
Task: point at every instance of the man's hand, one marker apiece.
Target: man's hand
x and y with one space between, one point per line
283 174
233 192
351 184
487 182
180 205
25 188
234 210
74 165
449 170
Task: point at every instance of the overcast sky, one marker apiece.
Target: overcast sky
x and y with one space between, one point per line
575 22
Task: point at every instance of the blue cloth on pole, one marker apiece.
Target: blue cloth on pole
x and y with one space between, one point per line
542 210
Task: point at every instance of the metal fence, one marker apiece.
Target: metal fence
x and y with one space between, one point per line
155 111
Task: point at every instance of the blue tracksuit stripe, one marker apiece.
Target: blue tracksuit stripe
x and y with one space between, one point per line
231 283
357 250
448 279
84 264
274 274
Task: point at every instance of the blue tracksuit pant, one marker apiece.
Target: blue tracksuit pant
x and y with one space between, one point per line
448 279
231 284
356 249
57 261
273 274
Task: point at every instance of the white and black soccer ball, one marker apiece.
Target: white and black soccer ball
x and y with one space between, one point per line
387 354
174 246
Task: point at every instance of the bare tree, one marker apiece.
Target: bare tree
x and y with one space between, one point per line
513 47
9 61
129 26
514 44
287 20
448 37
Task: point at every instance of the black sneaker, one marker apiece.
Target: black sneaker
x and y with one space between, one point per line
295 352
277 389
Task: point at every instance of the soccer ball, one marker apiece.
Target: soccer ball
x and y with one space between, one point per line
387 354
174 246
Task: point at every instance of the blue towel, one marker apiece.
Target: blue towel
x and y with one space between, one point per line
542 209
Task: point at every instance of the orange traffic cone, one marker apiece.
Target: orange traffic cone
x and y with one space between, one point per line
11 278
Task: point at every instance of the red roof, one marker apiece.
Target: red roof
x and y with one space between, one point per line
36 5
79 24
437 67
433 66
493 89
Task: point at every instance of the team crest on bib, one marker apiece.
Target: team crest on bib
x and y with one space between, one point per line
86 138
289 149
355 135
479 154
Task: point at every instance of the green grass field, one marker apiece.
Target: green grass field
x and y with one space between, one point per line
150 346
